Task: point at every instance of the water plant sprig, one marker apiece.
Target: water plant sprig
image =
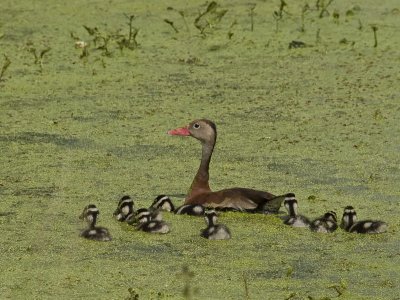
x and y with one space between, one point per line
187 277
133 295
246 287
170 23
6 64
278 14
38 55
210 17
252 7
182 14
375 29
130 42
323 7
304 11
339 288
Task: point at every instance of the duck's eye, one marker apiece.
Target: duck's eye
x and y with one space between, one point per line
196 126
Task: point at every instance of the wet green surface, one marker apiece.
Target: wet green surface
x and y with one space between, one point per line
320 121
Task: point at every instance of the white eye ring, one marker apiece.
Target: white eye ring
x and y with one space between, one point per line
196 125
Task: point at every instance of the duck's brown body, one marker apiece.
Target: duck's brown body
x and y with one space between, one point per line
234 198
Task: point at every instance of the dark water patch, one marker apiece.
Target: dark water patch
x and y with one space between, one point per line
147 250
7 213
353 189
45 138
142 150
269 274
384 197
176 195
266 113
37 191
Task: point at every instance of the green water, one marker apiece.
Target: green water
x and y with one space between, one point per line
320 121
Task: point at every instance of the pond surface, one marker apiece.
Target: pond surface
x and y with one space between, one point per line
88 125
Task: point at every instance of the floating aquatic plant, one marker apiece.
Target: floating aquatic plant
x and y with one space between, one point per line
6 64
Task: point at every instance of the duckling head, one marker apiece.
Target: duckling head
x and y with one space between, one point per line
92 215
210 217
291 205
126 205
331 216
163 202
349 217
124 209
143 215
89 213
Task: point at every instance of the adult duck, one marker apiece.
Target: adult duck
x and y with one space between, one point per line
243 199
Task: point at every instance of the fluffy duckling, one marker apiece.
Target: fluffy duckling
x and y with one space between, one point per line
88 212
151 221
350 224
163 202
214 231
325 224
147 214
125 210
294 219
94 232
191 209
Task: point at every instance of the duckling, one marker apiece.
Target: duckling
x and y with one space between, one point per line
151 222
350 224
214 231
87 214
163 202
325 224
190 209
294 219
147 214
125 210
94 232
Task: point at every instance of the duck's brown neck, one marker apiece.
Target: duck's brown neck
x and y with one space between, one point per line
200 182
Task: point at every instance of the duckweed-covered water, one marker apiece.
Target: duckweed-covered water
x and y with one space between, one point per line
81 126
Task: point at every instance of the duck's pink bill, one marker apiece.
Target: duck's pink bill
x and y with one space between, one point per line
179 131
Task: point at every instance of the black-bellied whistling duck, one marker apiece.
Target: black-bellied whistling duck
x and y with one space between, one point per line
350 224
214 231
163 202
294 219
236 198
325 224
93 232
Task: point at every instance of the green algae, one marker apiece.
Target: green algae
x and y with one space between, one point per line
320 121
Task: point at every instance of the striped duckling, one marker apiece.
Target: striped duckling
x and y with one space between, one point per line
88 212
214 231
93 232
125 211
325 224
191 210
163 202
294 219
151 221
350 224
